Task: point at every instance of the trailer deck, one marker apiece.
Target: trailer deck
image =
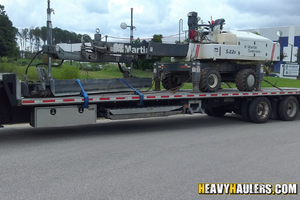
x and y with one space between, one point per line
156 95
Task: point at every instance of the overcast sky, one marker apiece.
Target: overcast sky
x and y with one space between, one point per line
150 16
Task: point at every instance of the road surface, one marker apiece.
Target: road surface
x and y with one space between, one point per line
162 158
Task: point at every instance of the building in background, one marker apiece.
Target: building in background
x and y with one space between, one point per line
289 42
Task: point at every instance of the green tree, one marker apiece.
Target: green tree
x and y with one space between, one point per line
44 34
137 41
148 64
31 37
157 38
37 35
24 33
8 44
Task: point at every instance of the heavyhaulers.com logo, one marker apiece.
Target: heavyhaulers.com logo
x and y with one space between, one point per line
248 188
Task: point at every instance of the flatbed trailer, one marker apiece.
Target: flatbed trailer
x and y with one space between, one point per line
254 106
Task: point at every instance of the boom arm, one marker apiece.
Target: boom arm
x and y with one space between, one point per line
103 51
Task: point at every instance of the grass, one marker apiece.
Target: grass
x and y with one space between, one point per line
112 71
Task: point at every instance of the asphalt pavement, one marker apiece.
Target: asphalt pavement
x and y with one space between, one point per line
162 158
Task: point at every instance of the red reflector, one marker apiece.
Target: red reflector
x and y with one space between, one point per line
224 94
118 98
214 95
255 93
135 97
49 101
273 92
264 93
290 92
150 97
235 94
104 99
27 101
282 92
190 95
176 96
202 95
68 100
245 93
164 96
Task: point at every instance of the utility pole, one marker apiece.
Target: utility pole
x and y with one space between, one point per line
131 27
49 37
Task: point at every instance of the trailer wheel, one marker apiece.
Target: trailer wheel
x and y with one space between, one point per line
171 80
207 111
288 108
260 110
246 80
245 110
210 80
215 112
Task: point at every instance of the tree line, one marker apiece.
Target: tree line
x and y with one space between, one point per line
31 39
28 40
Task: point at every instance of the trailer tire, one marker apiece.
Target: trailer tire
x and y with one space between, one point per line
288 108
245 110
215 112
207 111
171 80
246 80
210 80
260 110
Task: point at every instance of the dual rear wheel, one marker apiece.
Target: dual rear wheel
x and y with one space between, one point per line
259 110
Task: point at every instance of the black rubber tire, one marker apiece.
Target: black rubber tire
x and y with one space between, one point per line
171 80
210 80
260 110
246 80
288 108
207 111
245 110
216 112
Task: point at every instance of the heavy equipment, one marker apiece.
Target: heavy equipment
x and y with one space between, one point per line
210 56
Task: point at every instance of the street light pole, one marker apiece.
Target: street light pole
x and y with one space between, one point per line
131 27
124 26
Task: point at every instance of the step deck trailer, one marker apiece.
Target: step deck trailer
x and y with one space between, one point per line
255 106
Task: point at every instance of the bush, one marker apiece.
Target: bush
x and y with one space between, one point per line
110 68
68 72
90 67
6 67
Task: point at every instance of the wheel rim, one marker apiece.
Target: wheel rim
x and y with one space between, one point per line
213 80
291 108
263 110
176 80
251 80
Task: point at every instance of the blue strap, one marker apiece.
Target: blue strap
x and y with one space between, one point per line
136 91
84 95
